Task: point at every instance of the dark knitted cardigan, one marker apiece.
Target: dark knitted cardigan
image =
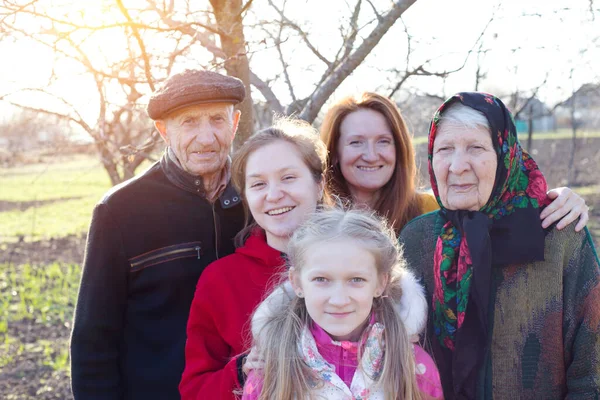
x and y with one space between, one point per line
545 341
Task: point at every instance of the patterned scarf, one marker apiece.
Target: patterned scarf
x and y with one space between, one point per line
364 382
505 230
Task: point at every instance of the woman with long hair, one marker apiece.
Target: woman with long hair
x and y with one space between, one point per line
371 162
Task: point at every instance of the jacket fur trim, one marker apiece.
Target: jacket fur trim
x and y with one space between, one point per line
412 307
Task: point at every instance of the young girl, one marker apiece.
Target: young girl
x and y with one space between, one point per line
340 328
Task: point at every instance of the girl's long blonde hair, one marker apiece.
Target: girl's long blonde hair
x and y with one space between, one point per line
285 375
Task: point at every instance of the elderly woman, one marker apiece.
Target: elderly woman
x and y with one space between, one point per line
371 162
515 308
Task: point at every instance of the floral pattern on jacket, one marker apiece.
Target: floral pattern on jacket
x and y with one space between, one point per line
331 386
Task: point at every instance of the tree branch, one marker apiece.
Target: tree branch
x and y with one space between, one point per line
64 117
267 93
349 42
303 34
246 7
346 67
283 63
379 17
137 36
534 93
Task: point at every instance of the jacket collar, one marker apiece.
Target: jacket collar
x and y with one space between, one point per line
323 339
193 184
256 247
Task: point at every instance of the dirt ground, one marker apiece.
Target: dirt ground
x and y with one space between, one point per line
27 377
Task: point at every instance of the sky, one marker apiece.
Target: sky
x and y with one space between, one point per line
527 42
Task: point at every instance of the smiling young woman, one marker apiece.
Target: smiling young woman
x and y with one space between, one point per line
371 158
279 174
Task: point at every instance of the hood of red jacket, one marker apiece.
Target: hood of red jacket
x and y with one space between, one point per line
256 247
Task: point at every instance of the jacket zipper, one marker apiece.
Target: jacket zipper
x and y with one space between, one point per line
168 253
217 234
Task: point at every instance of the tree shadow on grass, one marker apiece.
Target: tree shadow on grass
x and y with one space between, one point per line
24 205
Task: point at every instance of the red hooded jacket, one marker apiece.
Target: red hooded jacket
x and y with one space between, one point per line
218 328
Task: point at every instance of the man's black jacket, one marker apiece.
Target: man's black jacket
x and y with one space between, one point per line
150 239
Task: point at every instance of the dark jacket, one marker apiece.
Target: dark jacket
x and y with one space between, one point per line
218 331
150 239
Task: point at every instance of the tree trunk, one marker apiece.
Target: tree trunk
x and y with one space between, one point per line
109 164
229 20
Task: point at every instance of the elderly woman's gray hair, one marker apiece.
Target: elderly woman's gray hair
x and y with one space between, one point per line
459 115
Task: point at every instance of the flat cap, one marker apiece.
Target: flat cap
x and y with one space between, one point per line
194 87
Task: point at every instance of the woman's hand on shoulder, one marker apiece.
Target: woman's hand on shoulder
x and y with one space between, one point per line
565 208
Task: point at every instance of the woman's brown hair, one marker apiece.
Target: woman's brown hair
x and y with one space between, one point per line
397 200
295 131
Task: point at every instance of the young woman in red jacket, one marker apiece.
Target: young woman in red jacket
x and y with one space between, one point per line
279 173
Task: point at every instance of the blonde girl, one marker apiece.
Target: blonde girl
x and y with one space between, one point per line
340 327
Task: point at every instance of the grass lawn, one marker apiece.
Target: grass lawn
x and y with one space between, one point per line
50 201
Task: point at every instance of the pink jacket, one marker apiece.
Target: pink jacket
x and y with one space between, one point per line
343 356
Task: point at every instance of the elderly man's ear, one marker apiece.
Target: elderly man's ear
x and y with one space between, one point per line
161 127
236 120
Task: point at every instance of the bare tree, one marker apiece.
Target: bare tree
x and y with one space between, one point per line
121 122
123 135
26 134
424 68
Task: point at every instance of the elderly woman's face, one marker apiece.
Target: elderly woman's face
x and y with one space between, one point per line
464 164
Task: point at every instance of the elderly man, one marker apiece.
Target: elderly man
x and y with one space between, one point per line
149 241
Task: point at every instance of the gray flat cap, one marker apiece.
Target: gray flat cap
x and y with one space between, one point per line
194 87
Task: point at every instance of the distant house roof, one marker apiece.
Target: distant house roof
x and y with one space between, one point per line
531 108
587 96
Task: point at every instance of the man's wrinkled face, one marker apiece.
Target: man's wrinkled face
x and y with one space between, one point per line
201 136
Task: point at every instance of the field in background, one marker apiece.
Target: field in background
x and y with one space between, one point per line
44 214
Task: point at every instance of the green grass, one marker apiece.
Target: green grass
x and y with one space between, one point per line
54 200
37 300
48 221
42 295
587 190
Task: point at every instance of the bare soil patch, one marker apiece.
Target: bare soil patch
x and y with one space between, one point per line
36 345
24 205
68 249
30 374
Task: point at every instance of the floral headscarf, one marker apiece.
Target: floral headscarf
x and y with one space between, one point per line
506 230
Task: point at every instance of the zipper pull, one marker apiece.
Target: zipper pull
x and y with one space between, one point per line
197 248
